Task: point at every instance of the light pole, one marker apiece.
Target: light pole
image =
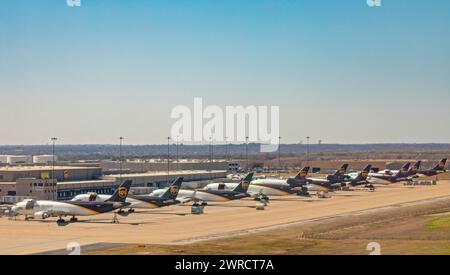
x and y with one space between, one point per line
120 159
178 161
226 148
307 149
211 156
53 139
246 153
212 150
168 159
279 157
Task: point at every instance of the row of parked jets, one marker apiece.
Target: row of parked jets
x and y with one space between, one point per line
260 189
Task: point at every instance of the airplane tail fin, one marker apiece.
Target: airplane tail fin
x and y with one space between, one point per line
404 169
121 193
415 167
365 172
441 165
173 190
302 174
242 187
341 172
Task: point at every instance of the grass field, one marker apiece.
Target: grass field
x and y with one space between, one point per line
441 223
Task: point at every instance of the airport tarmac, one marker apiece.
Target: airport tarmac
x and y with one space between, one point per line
175 224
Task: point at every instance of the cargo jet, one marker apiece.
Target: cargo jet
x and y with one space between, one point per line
438 169
331 182
44 209
169 197
360 178
239 192
412 171
404 174
270 186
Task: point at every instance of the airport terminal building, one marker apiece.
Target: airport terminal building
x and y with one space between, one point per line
65 182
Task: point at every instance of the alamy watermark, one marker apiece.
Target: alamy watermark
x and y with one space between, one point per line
77 3
238 124
374 3
73 3
73 248
374 248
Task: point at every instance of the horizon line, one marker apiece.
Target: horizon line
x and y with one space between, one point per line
208 144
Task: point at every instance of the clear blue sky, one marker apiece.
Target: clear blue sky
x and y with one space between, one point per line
339 70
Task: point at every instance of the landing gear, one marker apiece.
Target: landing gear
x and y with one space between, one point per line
304 192
323 195
131 210
73 219
261 197
370 187
263 201
60 220
115 219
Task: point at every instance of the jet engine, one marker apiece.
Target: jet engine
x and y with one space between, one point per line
41 215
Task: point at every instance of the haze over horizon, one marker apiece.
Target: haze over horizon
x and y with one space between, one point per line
339 70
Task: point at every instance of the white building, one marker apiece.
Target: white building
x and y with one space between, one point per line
44 159
3 159
16 159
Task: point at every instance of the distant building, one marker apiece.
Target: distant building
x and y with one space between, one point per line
44 159
18 182
151 165
16 159
62 173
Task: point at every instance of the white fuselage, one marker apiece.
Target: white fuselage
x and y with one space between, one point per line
199 195
376 178
133 203
267 186
53 208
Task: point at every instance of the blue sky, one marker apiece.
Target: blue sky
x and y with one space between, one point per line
339 70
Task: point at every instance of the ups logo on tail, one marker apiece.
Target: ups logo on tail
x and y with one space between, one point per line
245 185
174 190
364 174
123 192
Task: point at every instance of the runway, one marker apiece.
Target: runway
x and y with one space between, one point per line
175 224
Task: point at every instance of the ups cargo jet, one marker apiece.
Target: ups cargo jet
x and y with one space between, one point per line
438 169
404 174
239 192
44 208
331 182
169 197
357 179
412 171
270 186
